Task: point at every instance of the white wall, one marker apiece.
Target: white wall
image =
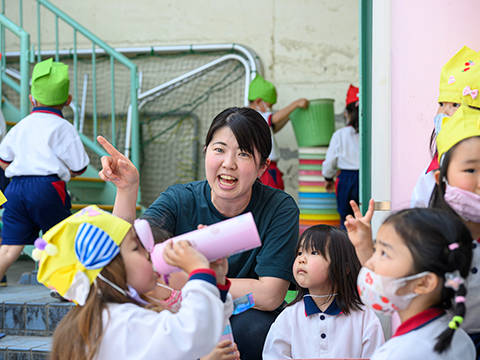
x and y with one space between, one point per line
308 48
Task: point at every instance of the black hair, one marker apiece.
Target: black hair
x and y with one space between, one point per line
437 199
352 110
250 129
428 233
344 264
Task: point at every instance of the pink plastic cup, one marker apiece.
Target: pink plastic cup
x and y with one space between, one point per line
216 241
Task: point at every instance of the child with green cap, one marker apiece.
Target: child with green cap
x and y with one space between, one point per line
262 96
41 153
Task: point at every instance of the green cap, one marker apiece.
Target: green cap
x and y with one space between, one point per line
263 89
50 82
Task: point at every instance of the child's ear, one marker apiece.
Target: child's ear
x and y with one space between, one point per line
437 176
426 284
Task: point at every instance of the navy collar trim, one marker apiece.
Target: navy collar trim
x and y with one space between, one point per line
47 110
311 308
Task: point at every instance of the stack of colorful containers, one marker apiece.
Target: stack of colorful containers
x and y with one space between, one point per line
316 205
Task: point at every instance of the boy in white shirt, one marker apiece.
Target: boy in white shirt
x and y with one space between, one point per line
41 153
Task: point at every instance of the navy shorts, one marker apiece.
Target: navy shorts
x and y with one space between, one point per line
34 203
347 189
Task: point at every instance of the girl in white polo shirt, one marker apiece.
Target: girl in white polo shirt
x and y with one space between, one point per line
327 318
418 268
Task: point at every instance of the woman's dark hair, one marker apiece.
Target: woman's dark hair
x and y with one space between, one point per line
428 233
352 110
250 129
344 266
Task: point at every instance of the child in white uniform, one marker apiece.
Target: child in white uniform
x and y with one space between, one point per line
97 260
344 153
262 96
418 267
327 318
457 190
41 153
459 79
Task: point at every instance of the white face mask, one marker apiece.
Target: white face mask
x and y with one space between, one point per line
437 120
267 109
380 292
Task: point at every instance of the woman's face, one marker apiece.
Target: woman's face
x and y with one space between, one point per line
464 168
230 171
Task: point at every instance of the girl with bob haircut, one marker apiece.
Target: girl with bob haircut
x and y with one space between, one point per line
237 147
327 309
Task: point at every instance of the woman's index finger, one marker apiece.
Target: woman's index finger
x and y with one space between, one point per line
109 148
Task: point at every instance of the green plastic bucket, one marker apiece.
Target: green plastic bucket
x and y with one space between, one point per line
315 125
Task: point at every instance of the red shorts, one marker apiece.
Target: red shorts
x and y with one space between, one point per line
272 177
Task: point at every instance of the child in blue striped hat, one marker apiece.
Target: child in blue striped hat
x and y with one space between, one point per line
100 262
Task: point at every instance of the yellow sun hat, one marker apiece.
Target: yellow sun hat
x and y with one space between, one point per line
464 124
460 78
263 89
74 251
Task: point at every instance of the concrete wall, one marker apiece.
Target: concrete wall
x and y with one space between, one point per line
308 48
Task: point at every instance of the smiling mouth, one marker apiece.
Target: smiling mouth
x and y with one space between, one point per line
227 180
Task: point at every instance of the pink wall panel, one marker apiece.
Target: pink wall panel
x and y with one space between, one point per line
425 34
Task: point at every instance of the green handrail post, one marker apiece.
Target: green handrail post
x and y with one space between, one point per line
39 38
24 89
366 42
112 71
76 121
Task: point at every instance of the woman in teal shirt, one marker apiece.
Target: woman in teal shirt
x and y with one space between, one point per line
236 154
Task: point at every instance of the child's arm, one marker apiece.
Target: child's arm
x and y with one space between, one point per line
278 344
281 117
360 231
223 351
4 165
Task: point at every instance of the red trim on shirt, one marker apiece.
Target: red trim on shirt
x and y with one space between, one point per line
434 165
418 320
6 162
225 287
47 112
204 271
270 120
80 172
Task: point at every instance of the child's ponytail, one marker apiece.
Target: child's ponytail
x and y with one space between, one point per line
443 250
454 282
445 338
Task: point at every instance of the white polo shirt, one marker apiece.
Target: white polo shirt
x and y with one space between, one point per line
416 338
302 331
471 323
41 144
343 152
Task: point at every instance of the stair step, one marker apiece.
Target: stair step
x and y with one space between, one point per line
28 310
25 347
101 206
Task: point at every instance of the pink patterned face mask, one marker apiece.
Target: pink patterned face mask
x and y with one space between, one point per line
380 292
174 302
464 203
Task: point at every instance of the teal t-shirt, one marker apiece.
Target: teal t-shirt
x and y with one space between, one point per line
183 206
